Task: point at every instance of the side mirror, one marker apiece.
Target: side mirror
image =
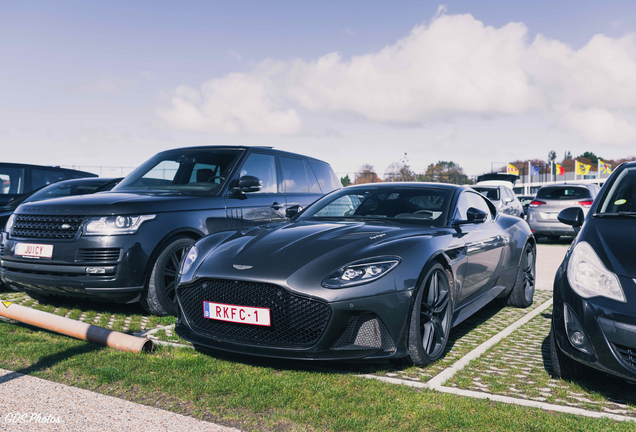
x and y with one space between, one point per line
247 184
293 210
572 216
507 200
473 215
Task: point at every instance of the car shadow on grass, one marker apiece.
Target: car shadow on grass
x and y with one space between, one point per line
361 366
593 382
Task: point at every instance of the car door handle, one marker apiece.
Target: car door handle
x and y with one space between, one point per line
276 206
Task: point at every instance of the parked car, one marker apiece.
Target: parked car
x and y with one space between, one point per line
544 210
594 310
17 179
371 271
64 188
525 201
126 245
501 195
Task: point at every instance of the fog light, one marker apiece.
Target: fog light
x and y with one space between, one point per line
574 330
578 340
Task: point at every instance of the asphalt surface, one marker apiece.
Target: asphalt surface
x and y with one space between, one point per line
29 403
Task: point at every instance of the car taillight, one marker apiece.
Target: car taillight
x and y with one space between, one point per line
536 203
586 203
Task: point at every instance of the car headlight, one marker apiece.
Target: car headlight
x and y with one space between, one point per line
360 272
9 225
588 276
189 259
115 225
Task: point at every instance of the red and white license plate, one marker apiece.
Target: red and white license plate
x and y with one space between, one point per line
30 250
237 314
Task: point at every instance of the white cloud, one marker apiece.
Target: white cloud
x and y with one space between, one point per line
454 66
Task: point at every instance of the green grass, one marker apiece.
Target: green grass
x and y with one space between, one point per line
266 395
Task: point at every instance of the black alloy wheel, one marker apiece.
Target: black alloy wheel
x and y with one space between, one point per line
160 294
522 294
431 318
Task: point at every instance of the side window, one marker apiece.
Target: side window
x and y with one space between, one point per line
313 183
11 180
462 206
326 177
478 202
294 175
264 167
43 177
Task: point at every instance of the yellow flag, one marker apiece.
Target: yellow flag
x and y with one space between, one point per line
513 169
582 168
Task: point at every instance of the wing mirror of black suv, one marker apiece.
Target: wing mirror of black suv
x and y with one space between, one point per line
473 215
247 184
293 210
572 216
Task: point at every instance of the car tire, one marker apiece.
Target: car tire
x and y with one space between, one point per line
159 297
563 366
522 294
431 317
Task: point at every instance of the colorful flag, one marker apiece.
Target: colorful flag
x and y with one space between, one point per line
534 171
605 167
582 168
513 169
558 169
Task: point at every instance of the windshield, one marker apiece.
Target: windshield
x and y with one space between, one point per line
563 193
622 194
425 205
491 193
196 171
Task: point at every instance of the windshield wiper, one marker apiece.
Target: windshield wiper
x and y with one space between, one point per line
619 214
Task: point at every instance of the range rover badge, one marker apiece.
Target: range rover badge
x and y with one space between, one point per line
65 226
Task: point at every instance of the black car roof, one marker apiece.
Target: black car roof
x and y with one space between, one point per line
248 148
57 168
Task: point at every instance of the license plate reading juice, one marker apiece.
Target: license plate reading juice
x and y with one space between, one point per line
237 314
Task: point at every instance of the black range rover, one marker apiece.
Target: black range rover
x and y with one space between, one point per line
126 245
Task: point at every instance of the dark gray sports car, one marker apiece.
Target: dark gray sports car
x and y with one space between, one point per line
371 271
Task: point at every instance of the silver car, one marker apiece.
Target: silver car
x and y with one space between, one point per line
550 200
502 197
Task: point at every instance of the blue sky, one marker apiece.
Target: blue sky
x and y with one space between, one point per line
88 83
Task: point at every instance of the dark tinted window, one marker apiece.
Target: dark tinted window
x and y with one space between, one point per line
43 177
11 180
264 167
313 182
294 175
490 193
622 193
326 177
201 172
563 192
423 205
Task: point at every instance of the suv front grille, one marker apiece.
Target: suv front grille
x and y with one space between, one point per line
46 227
295 320
98 255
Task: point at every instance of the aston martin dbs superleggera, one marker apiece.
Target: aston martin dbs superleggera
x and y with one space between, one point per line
370 271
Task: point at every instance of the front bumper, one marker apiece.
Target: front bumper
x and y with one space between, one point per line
609 327
391 310
69 274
